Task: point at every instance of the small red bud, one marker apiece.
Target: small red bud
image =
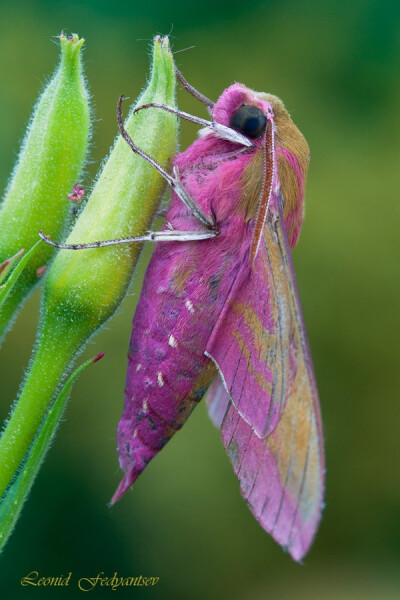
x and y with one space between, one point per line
98 357
40 271
77 194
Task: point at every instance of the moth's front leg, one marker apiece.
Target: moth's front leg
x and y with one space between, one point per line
206 222
168 235
172 180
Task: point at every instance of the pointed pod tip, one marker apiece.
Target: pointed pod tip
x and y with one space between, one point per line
70 45
156 44
161 42
163 62
165 41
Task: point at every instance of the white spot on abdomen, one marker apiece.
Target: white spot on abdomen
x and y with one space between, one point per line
138 367
172 341
160 379
189 306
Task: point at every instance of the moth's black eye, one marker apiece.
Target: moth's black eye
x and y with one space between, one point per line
249 120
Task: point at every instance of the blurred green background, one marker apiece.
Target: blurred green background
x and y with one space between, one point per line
336 66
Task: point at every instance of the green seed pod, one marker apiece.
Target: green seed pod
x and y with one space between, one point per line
84 288
91 284
50 162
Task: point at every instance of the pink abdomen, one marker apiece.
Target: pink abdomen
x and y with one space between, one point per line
168 372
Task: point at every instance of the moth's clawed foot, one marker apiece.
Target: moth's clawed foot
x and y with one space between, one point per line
161 214
176 173
45 238
213 222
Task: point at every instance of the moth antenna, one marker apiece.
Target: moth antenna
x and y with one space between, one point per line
266 192
193 91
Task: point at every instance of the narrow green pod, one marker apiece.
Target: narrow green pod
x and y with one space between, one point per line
90 284
84 288
50 162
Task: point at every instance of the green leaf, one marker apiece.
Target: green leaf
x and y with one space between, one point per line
8 264
18 269
14 498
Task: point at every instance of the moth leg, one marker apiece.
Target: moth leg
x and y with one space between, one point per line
174 182
169 235
191 204
221 131
193 91
161 213
175 235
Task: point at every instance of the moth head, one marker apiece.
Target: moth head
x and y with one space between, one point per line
240 110
249 120
251 113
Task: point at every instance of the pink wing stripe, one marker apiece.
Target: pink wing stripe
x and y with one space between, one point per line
243 345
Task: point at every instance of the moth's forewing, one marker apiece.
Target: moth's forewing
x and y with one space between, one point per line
270 421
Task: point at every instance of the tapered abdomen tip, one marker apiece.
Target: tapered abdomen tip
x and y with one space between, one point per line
128 479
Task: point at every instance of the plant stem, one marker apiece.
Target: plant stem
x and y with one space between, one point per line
84 289
47 371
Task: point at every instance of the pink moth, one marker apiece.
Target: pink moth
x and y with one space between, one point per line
219 311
